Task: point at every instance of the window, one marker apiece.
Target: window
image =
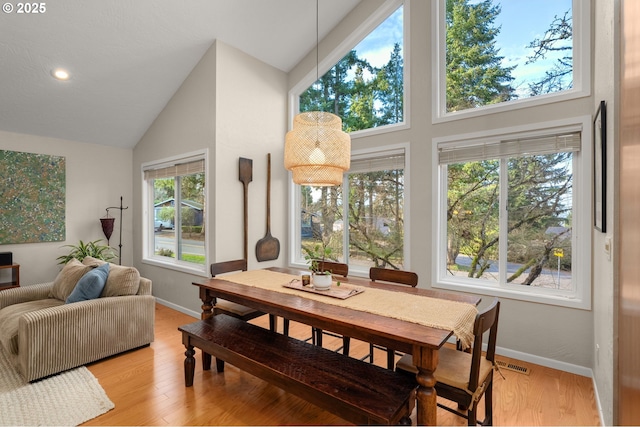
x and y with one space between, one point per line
511 211
496 54
175 214
365 88
366 214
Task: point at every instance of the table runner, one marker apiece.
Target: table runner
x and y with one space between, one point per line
434 312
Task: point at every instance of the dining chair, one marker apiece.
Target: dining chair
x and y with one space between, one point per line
401 277
464 377
336 268
231 308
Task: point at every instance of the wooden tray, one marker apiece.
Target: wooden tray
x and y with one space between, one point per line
343 291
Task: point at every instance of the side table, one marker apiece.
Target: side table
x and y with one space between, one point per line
15 276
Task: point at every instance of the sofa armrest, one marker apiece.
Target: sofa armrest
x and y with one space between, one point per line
55 339
24 294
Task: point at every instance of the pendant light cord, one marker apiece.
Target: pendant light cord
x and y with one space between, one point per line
317 42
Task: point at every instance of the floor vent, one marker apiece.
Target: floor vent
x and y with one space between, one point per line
513 367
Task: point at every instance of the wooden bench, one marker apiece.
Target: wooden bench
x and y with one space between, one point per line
359 392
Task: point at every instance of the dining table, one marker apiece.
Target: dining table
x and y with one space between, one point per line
417 321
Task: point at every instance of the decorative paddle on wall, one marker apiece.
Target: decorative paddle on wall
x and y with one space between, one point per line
268 248
245 175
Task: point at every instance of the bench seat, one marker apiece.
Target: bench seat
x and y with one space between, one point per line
359 392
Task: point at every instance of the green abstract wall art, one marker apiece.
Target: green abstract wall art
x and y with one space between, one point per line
32 198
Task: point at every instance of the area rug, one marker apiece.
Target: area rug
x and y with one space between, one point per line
66 399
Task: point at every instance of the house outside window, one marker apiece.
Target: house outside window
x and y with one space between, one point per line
514 213
366 214
497 55
175 232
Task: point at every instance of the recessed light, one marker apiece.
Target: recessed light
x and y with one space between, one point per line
60 74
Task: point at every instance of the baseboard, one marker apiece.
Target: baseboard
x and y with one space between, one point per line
544 361
179 308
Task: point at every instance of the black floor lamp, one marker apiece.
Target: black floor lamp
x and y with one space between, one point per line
107 227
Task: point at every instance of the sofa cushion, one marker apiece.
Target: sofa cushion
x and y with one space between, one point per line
10 315
90 286
67 279
122 280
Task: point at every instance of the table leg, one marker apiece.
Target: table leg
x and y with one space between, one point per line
426 360
208 301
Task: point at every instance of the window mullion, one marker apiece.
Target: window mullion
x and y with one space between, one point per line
504 222
178 217
345 218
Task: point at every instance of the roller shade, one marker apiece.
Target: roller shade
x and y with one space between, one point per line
181 169
469 151
385 160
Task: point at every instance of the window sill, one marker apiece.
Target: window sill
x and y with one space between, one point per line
198 270
515 104
529 295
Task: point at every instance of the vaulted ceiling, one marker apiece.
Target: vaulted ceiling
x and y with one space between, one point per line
126 58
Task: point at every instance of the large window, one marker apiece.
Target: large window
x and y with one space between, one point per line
512 211
498 54
175 214
365 215
365 88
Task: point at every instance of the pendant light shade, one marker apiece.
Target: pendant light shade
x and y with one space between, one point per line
316 150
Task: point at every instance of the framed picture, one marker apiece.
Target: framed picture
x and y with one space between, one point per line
600 168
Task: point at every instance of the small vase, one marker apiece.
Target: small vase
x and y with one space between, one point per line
322 282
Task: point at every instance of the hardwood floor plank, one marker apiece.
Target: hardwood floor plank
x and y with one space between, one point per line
147 388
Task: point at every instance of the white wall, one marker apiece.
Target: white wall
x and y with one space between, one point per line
548 333
96 177
234 106
606 88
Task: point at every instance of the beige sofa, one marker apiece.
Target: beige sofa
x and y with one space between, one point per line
43 335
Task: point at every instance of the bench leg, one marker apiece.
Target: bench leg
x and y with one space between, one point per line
273 323
219 365
346 341
206 361
189 366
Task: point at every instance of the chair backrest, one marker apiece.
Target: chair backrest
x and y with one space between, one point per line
334 267
487 320
228 266
396 276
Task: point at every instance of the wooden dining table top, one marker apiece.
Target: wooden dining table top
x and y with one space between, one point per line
387 331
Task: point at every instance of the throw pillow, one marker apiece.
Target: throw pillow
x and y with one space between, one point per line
122 281
67 279
90 285
92 262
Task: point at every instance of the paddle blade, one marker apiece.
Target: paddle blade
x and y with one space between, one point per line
267 248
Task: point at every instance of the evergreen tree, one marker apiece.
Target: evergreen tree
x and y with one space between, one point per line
390 86
475 76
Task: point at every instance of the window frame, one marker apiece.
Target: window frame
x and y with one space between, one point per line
295 240
348 43
581 67
580 297
148 217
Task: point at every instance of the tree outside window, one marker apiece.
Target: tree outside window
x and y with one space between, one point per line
488 60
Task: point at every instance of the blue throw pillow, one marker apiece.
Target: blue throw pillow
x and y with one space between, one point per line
90 285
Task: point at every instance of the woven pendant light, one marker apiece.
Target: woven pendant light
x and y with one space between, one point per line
316 150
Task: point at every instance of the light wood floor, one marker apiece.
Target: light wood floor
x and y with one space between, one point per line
147 388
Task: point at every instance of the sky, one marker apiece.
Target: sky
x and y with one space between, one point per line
515 34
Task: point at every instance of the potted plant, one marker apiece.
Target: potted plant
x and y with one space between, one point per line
315 258
93 249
